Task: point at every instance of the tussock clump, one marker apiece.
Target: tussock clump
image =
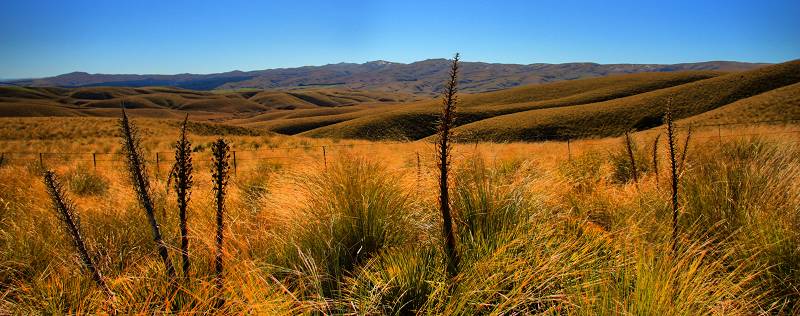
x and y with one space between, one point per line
354 211
488 202
629 162
584 172
255 186
397 282
687 281
745 194
528 271
85 183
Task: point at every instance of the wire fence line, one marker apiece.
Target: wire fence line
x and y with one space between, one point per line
253 159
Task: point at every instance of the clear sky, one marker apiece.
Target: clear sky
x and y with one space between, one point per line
43 38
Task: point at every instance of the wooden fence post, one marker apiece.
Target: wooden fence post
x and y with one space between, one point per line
569 150
234 162
419 170
94 161
157 167
41 160
325 157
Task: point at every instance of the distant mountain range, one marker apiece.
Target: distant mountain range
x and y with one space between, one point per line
422 77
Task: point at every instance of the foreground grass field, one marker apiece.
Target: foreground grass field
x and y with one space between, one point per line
545 227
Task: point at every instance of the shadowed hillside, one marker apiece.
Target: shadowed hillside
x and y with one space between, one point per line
636 112
168 102
775 105
417 120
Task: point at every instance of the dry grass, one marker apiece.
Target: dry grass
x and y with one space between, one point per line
538 233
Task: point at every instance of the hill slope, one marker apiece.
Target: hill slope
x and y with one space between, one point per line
170 102
417 120
782 104
640 111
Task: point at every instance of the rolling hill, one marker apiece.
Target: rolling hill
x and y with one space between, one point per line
589 107
636 112
171 102
422 77
417 120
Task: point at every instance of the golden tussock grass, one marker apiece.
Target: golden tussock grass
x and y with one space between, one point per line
536 232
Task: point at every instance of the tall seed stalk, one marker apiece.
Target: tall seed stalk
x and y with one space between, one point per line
183 184
220 151
629 146
443 150
65 210
131 145
685 150
655 157
674 173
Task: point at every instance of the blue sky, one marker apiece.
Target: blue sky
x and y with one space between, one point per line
43 38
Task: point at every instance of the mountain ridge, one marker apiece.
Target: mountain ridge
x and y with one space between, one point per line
420 77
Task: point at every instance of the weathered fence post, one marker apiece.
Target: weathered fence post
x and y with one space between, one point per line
569 150
419 170
157 167
41 160
234 162
94 161
325 157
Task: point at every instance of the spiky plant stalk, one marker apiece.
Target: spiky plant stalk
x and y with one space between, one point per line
220 151
183 185
629 146
685 150
65 210
674 173
443 149
655 157
131 145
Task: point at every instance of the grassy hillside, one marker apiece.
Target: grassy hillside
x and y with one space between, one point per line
640 111
416 120
575 108
774 105
155 101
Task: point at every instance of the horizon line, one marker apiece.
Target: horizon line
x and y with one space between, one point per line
11 80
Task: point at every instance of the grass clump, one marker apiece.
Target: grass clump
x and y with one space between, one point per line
629 162
398 281
86 183
353 212
255 187
584 172
744 193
